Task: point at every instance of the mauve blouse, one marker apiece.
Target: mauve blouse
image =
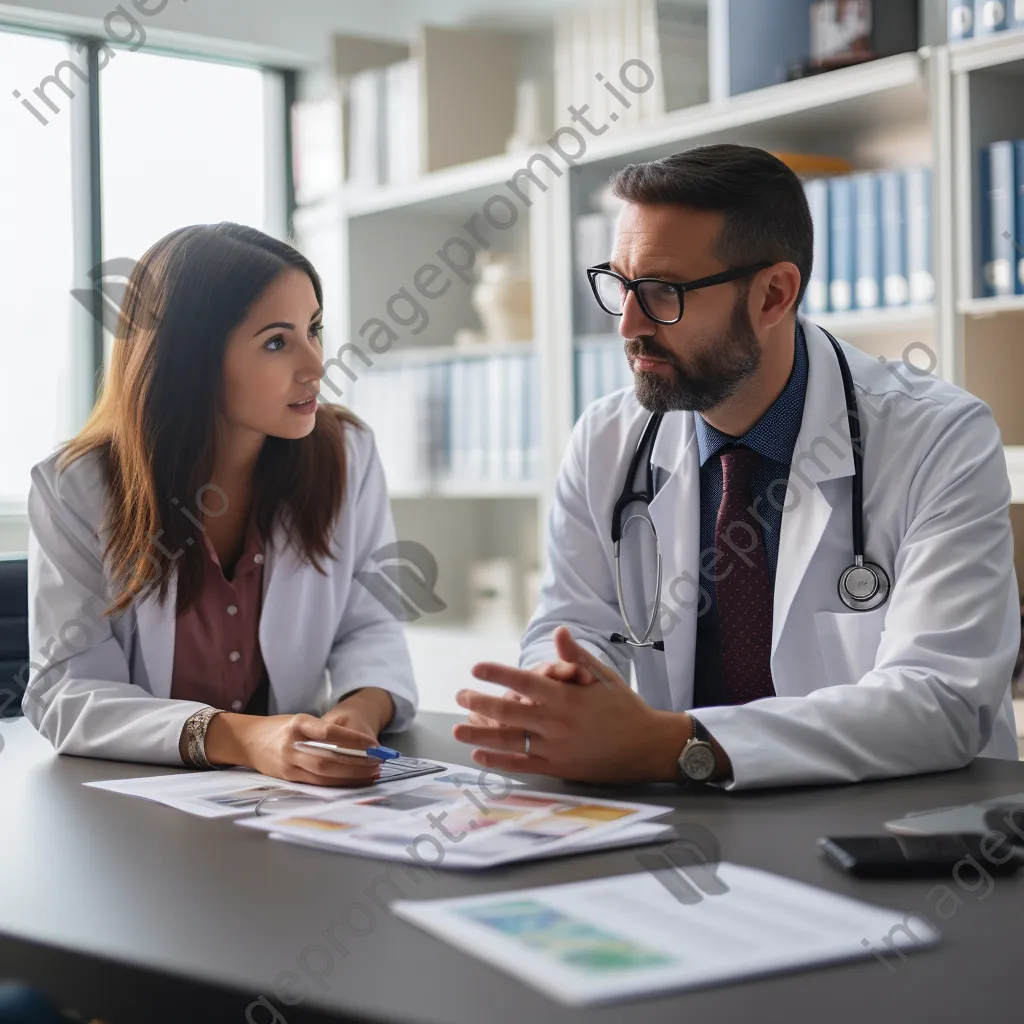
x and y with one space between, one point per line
217 657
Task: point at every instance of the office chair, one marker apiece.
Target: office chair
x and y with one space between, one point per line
20 1004
13 632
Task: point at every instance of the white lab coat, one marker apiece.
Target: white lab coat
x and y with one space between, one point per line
108 695
920 684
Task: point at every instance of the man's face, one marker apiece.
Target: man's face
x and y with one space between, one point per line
712 351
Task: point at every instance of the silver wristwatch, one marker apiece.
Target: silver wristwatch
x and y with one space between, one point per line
698 762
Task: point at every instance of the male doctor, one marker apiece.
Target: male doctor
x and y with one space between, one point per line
767 677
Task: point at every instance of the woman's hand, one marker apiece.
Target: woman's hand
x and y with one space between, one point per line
265 744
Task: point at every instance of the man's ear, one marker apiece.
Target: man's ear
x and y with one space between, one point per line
776 295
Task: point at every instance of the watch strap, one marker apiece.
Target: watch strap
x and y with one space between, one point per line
699 732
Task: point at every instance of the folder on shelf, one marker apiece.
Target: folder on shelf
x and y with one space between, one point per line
478 440
842 218
612 361
366 142
961 19
920 274
515 417
868 239
497 416
458 419
533 448
892 206
816 294
594 237
402 114
989 16
997 218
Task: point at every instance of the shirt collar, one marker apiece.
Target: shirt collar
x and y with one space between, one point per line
774 434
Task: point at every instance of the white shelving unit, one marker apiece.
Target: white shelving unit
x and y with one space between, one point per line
986 77
935 106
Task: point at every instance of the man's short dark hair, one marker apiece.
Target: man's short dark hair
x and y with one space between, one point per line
765 212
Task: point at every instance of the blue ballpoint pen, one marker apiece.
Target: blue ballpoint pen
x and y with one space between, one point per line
314 746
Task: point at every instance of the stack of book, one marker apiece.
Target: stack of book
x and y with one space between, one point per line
459 421
1001 188
969 18
872 241
598 45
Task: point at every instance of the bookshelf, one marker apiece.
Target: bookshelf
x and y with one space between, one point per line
931 107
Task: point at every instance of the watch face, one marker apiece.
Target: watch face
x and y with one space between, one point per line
698 761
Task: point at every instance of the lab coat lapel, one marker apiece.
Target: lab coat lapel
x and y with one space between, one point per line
155 623
823 451
675 512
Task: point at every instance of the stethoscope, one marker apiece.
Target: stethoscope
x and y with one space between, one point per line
862 586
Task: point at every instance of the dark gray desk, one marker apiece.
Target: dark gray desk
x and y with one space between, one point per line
135 912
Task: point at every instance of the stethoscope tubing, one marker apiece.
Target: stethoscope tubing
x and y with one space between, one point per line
645 446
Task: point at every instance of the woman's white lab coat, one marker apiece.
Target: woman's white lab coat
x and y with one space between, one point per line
102 689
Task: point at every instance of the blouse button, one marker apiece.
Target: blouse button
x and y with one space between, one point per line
232 609
234 656
258 559
236 705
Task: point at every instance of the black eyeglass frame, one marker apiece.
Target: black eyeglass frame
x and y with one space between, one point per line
681 287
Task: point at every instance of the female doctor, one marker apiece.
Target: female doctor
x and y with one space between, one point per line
193 551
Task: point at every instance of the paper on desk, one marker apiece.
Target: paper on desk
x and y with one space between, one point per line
236 791
610 939
628 835
444 826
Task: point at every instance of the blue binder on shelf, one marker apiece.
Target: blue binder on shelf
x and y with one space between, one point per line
990 16
996 182
867 291
816 295
842 263
960 20
533 461
1018 241
920 274
892 205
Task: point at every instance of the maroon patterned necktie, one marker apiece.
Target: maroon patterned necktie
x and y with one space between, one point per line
743 586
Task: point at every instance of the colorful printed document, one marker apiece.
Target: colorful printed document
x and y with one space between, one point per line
629 835
234 792
438 824
611 939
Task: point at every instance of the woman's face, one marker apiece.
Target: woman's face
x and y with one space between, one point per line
274 359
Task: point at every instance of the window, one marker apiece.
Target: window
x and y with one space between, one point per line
185 142
180 141
45 358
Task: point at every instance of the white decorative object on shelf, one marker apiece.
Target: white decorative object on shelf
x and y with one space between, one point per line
502 300
529 133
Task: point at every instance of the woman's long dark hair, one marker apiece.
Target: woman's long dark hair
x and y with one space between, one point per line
153 424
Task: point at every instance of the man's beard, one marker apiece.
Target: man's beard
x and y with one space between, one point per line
715 372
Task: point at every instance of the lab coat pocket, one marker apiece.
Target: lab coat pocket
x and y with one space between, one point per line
848 642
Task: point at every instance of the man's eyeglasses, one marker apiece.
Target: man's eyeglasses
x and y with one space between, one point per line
661 301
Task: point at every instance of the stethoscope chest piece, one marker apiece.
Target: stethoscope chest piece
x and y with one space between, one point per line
863 586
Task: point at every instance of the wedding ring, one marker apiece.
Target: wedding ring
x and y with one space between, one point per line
527 745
